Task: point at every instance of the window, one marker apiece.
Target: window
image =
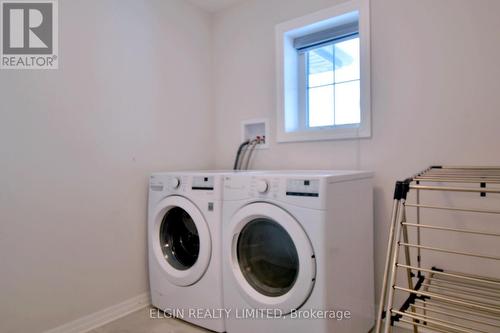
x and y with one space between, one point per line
331 80
323 75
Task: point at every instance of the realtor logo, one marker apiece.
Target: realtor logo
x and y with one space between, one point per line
29 34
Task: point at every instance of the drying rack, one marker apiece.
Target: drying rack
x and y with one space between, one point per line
436 299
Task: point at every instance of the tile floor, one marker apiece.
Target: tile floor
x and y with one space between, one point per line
140 322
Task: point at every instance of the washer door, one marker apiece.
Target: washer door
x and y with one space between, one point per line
181 240
272 258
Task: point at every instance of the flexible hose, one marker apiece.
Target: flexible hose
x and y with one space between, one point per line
237 159
250 152
242 156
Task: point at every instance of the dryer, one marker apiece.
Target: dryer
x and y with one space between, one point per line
184 246
298 252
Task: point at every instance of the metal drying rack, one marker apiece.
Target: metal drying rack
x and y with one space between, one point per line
440 300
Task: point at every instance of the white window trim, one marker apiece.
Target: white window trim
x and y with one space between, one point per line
287 62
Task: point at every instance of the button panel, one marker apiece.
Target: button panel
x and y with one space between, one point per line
203 183
302 187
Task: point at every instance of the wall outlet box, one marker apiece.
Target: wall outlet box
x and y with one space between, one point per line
256 129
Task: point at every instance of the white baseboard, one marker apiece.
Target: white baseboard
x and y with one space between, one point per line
104 316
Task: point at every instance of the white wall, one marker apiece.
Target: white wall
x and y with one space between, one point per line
435 96
77 145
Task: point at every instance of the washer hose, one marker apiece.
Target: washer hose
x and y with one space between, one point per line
240 148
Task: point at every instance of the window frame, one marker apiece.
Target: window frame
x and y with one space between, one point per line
291 90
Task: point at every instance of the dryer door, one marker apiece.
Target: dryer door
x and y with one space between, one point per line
181 240
272 258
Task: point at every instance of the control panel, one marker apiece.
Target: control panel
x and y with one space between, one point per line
299 190
302 187
203 183
274 187
159 184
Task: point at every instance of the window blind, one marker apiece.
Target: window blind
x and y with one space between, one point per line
316 39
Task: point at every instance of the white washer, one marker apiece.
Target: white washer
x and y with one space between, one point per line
184 241
295 243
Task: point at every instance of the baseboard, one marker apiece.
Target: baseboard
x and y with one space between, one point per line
104 316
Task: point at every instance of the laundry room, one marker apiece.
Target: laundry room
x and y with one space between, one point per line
238 166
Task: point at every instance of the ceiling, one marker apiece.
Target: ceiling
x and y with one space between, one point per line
214 5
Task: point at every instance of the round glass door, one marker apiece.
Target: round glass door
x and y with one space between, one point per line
180 240
271 257
267 257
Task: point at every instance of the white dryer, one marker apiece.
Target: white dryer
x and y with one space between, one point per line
184 241
298 252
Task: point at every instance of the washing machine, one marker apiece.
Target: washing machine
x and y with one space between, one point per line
184 241
298 252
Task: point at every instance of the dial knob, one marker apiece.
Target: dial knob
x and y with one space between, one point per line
174 182
262 186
